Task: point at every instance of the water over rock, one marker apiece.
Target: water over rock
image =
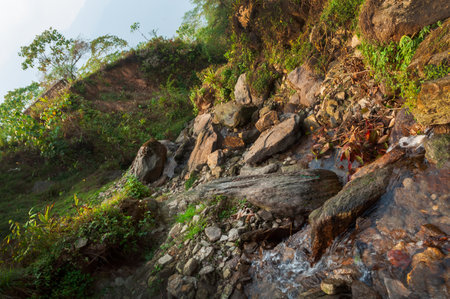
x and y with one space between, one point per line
340 211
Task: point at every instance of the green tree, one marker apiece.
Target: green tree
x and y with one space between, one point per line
54 55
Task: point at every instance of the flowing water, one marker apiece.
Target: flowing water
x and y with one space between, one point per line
400 248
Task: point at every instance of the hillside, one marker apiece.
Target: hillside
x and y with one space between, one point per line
280 149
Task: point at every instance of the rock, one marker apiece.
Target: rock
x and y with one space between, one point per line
165 259
386 160
285 194
207 142
42 186
206 270
267 121
275 140
396 289
181 287
233 115
306 83
248 170
80 243
233 142
340 211
215 159
190 267
312 294
429 256
437 149
310 123
404 121
233 235
204 253
242 94
265 215
333 286
433 102
148 165
213 233
201 123
249 136
175 230
361 290
399 258
432 51
389 20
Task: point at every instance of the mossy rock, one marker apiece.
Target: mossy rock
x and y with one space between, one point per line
438 149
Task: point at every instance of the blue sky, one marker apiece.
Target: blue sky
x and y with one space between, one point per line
22 20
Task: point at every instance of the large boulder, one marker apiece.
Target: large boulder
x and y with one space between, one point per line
233 115
389 20
306 83
340 211
149 163
285 194
432 51
438 149
242 94
207 142
274 140
201 122
433 103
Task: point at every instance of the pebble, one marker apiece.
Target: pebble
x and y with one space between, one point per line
233 235
213 233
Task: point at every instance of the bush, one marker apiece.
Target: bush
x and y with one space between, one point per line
135 189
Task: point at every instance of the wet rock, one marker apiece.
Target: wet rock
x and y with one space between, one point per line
285 194
207 142
148 165
389 20
340 211
399 258
248 170
190 267
312 294
275 140
233 115
213 233
396 289
404 121
266 121
361 290
386 160
433 102
306 83
427 278
437 149
215 159
242 94
429 256
165 259
333 286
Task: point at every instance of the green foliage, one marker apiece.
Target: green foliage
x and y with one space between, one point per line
190 182
135 189
338 13
433 72
190 212
195 228
390 64
261 79
54 55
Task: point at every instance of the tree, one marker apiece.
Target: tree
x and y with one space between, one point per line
103 50
54 55
208 23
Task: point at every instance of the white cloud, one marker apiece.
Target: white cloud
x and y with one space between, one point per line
22 20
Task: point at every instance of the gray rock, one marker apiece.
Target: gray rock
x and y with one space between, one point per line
204 253
80 243
306 83
438 149
233 115
361 290
285 194
165 259
242 93
206 270
201 122
190 267
248 170
274 140
149 163
233 235
340 211
42 186
213 233
181 287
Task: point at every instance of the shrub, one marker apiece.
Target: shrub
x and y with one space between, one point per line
135 189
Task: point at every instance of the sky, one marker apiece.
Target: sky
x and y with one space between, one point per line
22 20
